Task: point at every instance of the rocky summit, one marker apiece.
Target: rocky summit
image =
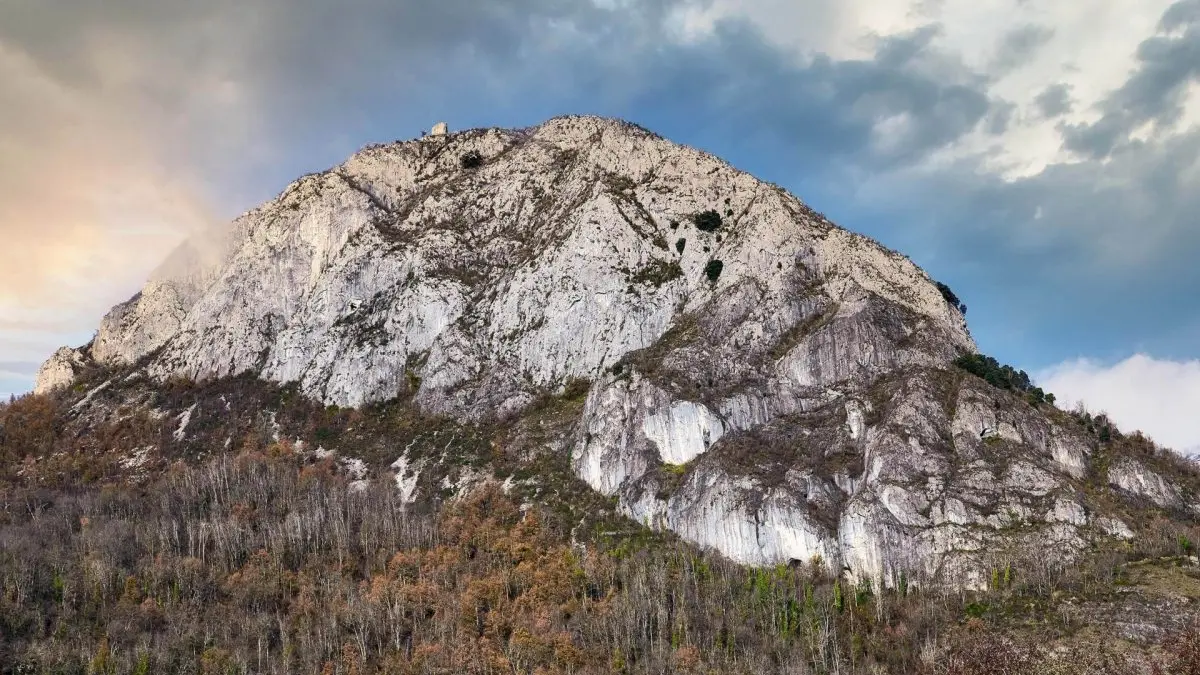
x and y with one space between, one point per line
759 380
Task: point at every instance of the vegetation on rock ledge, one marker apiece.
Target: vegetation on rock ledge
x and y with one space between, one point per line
657 273
707 221
471 159
951 297
1003 377
713 270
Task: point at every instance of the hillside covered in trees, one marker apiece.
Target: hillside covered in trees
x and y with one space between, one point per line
265 558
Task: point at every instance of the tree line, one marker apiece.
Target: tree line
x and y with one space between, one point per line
262 563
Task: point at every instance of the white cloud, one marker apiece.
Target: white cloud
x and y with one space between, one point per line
83 196
1090 46
1159 397
87 206
93 192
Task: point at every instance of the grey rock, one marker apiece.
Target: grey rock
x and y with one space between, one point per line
800 405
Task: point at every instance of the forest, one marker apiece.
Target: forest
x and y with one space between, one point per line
256 562
265 557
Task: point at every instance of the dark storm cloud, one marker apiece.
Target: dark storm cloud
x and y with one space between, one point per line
1091 256
1054 100
1000 116
899 50
1181 14
1019 47
1088 257
304 68
289 53
824 111
293 37
1155 93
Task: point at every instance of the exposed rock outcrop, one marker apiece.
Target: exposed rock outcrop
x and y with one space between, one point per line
60 369
794 401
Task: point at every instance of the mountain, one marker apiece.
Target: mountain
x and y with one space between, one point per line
758 380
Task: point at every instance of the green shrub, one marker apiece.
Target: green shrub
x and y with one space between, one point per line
707 221
471 159
975 610
658 273
1003 377
951 297
680 244
713 269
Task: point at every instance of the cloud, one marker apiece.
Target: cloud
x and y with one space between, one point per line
16 377
1155 95
1018 47
1158 397
18 368
1082 258
1082 253
79 188
1181 14
886 111
1054 100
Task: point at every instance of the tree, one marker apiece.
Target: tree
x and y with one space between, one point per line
950 297
1003 377
707 221
471 160
713 270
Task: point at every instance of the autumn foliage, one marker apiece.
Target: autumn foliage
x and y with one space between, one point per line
261 563
264 559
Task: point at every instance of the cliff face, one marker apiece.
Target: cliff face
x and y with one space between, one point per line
772 386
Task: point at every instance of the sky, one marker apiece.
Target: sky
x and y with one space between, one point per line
1040 157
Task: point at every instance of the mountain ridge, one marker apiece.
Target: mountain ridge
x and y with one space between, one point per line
116 344
761 381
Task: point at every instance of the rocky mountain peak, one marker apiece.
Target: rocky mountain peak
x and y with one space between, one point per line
493 270
761 380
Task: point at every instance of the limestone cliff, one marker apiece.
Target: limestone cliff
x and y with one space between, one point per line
762 381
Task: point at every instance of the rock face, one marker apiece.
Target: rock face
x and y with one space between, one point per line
59 370
793 401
